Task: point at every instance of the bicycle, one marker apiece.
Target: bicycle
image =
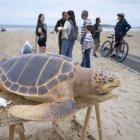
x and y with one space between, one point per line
121 51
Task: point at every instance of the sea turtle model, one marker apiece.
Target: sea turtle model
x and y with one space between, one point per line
53 81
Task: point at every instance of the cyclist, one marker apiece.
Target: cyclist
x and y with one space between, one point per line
121 28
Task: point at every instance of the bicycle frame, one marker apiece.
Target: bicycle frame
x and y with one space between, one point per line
113 42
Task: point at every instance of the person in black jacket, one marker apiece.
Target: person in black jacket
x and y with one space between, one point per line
121 28
60 23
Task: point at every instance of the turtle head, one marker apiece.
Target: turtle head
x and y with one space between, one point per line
104 82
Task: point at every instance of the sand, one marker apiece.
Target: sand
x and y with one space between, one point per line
120 117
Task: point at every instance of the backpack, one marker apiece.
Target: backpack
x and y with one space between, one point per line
72 36
93 30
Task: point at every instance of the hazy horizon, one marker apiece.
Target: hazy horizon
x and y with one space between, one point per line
3 25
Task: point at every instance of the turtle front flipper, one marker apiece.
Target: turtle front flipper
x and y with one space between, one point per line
53 111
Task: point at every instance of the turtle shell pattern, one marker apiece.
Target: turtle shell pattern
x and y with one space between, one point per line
35 73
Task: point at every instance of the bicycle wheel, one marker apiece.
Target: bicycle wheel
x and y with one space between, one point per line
106 48
122 52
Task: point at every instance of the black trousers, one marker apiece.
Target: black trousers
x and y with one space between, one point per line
118 40
59 43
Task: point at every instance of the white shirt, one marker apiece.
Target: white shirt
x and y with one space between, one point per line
67 27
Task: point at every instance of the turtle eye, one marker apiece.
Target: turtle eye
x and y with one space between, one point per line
110 80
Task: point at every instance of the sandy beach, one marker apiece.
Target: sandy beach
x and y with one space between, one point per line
120 116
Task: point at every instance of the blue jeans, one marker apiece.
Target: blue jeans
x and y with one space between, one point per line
86 58
67 47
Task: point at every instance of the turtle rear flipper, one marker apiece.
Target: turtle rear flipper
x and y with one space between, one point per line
45 112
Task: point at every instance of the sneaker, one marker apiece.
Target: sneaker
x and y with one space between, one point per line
119 56
94 54
113 55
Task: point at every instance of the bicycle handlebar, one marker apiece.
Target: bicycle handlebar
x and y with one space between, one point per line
112 36
129 35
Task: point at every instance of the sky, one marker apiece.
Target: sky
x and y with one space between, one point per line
25 12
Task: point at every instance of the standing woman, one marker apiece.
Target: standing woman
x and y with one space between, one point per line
41 32
67 45
121 29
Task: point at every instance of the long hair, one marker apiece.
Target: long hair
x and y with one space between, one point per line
38 21
71 16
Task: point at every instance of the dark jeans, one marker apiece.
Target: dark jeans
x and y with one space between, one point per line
59 43
86 58
67 47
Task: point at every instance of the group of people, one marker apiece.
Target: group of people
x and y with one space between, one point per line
89 34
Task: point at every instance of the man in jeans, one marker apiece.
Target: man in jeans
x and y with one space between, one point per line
87 21
60 23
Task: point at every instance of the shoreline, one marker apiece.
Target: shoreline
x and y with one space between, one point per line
51 28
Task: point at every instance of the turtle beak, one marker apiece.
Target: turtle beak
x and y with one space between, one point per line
116 83
108 87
